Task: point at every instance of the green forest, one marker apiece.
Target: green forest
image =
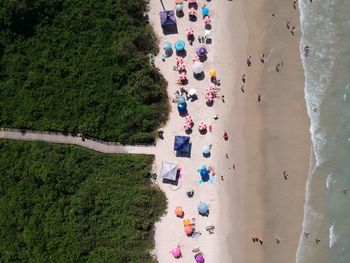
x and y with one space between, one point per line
80 66
67 204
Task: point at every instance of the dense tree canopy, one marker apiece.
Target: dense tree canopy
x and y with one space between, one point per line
67 204
80 66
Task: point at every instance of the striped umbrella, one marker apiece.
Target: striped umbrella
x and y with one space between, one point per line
207 20
189 31
188 126
179 60
181 67
192 11
202 126
195 58
183 76
188 118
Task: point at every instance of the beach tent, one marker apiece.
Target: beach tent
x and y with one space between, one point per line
167 19
169 171
182 144
203 208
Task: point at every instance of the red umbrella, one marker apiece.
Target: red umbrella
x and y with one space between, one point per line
189 119
202 126
195 58
207 20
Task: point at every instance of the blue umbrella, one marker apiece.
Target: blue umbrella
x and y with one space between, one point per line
204 174
167 46
203 208
205 11
182 108
179 45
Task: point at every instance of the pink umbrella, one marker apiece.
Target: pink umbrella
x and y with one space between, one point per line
202 126
188 126
192 11
195 58
181 66
183 76
207 20
179 60
191 1
176 252
209 98
189 31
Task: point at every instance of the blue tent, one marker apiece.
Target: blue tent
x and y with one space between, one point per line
182 144
203 208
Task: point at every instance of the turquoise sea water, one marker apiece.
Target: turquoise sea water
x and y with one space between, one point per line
325 26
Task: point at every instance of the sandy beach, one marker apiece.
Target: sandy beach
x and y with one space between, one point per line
250 194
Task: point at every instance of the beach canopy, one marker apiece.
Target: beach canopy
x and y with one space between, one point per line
197 67
206 149
205 11
167 46
169 171
203 208
199 258
179 7
167 18
179 212
179 45
182 143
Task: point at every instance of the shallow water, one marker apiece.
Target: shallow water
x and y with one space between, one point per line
326 29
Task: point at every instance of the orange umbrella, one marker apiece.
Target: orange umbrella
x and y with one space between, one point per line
178 1
179 212
188 230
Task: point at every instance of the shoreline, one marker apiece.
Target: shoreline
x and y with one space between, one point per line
252 197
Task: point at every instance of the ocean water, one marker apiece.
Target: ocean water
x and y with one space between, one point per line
325 26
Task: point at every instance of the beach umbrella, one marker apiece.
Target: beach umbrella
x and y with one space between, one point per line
178 1
176 252
179 212
204 173
182 108
192 92
207 20
167 46
179 7
202 126
205 11
203 208
201 51
179 60
183 76
192 11
188 126
207 33
205 149
197 67
179 45
181 100
188 230
195 59
181 66
191 1
212 73
187 222
189 31
188 118
199 258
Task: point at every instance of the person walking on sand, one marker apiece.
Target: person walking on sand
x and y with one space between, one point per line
278 240
262 58
278 67
285 175
223 98
249 61
243 78
242 88
317 240
259 98
295 4
288 24
306 234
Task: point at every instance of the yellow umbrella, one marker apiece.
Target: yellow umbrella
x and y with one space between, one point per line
187 222
212 73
